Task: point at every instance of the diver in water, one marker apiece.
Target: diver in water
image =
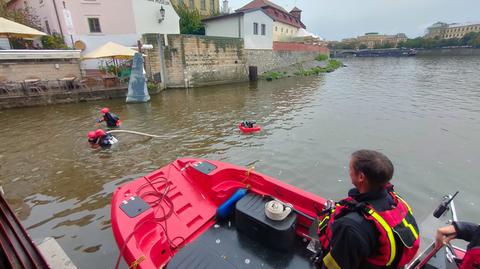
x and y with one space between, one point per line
105 140
100 138
92 138
248 124
110 119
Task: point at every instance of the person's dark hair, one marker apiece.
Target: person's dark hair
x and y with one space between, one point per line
376 167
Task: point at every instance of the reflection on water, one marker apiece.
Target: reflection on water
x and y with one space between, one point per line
422 112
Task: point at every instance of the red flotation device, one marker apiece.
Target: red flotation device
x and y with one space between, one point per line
244 129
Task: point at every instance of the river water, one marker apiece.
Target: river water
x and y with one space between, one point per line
424 113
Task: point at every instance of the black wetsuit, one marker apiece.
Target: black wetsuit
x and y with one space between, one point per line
469 232
110 119
248 124
104 141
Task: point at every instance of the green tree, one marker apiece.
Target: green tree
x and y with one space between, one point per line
469 39
363 46
54 41
476 42
25 16
190 20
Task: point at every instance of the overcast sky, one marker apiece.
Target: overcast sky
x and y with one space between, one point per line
337 19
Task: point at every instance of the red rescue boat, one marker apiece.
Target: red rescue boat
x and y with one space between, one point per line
201 213
197 213
249 130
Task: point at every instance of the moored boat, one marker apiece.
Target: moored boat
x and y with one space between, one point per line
393 52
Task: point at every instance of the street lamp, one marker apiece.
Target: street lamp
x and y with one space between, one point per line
162 15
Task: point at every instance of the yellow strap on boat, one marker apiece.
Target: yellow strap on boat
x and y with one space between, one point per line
389 231
137 262
330 262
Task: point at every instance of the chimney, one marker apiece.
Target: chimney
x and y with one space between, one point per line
225 7
297 13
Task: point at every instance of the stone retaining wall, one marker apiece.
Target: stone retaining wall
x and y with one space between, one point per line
295 46
193 61
61 98
267 60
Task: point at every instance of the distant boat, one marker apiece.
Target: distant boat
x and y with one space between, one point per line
401 52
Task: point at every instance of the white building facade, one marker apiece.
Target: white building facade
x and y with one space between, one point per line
254 26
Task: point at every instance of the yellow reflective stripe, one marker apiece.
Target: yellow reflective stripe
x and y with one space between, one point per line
400 198
327 217
389 231
323 220
330 262
410 226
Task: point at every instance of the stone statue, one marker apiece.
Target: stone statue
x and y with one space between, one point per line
137 87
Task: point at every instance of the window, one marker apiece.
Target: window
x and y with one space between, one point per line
212 6
40 2
202 4
94 25
191 4
255 28
264 30
47 27
276 28
281 29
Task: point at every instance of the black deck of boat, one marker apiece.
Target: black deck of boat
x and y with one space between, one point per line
223 247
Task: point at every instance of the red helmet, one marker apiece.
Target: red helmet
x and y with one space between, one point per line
100 132
105 110
91 135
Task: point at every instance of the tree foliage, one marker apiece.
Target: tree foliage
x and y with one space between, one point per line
54 41
363 46
190 20
471 39
25 16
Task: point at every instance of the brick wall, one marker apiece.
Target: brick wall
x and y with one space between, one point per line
292 46
21 70
192 61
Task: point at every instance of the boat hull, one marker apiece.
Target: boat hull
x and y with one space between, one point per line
191 190
247 130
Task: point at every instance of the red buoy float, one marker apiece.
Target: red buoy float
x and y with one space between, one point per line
249 127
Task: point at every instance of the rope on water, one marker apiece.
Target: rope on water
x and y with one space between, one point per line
133 132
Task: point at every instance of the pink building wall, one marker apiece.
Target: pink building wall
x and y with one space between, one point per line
117 20
116 16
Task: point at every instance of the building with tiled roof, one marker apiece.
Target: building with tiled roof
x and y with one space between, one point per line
259 22
285 23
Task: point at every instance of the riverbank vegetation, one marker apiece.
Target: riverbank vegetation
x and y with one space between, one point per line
332 65
471 39
321 57
271 75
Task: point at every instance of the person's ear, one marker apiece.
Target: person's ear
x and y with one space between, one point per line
362 178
